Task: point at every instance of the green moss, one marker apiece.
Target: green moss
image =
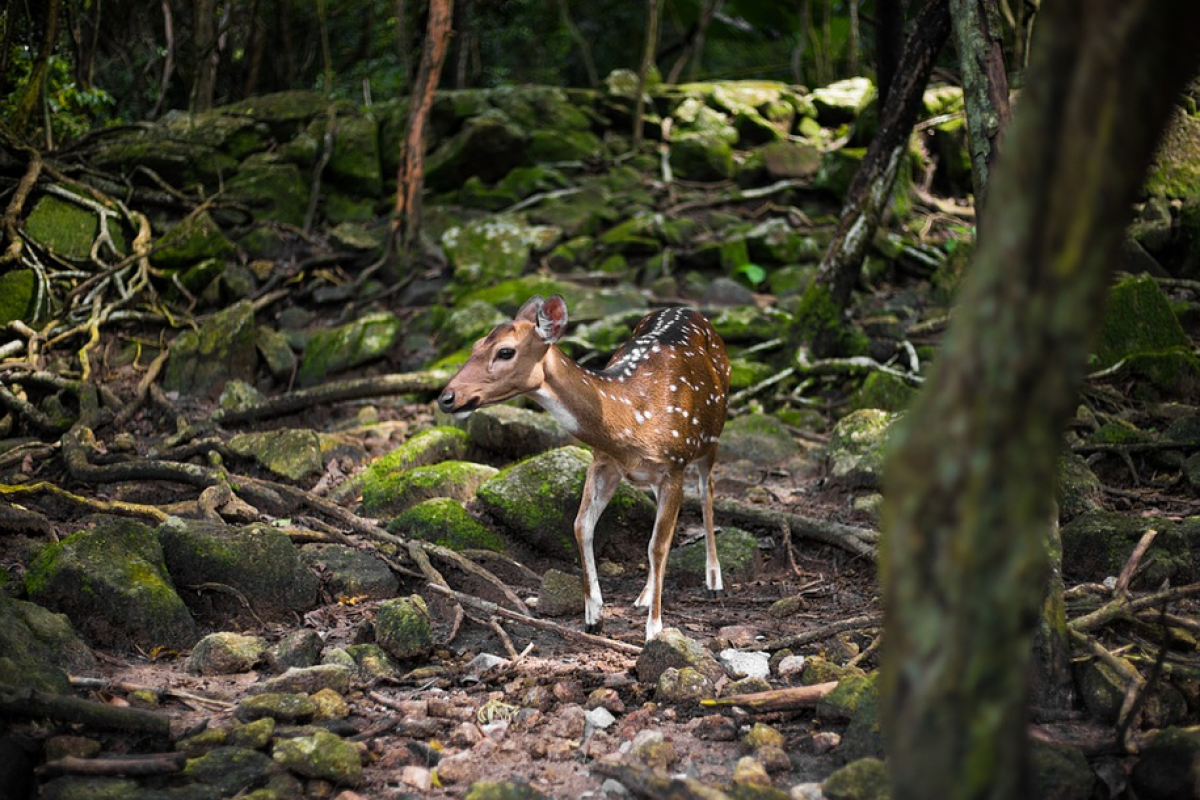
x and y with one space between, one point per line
64 227
1138 319
883 391
18 296
393 492
747 373
193 240
821 324
402 627
445 522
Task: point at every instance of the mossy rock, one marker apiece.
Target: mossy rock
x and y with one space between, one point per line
702 157
1097 544
233 135
1167 766
442 443
488 147
285 113
1059 771
857 696
444 521
322 756
750 324
559 146
746 373
515 432
537 500
582 213
1138 319
67 229
785 159
775 241
502 790
819 324
395 492
333 350
862 779
18 296
355 163
737 552
1079 489
843 101
291 453
192 240
883 391
231 771
510 295
494 249
636 236
258 561
222 349
274 188
858 447
112 582
837 170
39 648
761 438
403 629
349 572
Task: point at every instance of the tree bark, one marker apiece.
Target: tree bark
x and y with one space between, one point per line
639 103
406 223
970 484
979 38
204 36
871 188
31 99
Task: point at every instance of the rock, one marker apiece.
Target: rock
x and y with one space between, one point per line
220 350
274 188
467 322
402 627
231 770
445 522
18 298
561 595
112 581
858 698
776 241
355 163
349 572
489 146
684 686
842 101
442 443
502 790
672 649
652 749
883 391
300 648
537 499
38 648
493 249
864 779
761 438
790 667
64 228
1101 689
308 680
1169 766
369 661
515 432
285 708
1137 319
857 448
1175 173
1060 772
749 772
702 157
737 550
294 454
785 159
322 755
339 348
225 653
1079 489
1097 544
258 561
190 241
745 664
395 492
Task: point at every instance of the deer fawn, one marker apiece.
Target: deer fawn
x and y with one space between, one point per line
658 406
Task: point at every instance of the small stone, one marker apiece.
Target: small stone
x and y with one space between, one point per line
225 654
57 747
715 728
308 680
600 718
402 627
745 664
330 705
761 735
825 741
791 667
253 735
323 756
774 759
300 648
653 749
750 772
296 708
419 778
672 649
561 594
683 686
606 698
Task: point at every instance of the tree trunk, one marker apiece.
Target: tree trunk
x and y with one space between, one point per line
970 484
31 99
406 223
889 43
639 104
581 42
979 38
869 192
204 41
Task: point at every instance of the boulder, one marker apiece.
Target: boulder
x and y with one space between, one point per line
203 360
858 446
444 521
38 648
350 573
395 492
333 350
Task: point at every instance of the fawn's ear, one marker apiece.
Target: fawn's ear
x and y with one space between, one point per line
529 311
551 318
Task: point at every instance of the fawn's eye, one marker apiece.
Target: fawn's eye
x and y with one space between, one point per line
505 353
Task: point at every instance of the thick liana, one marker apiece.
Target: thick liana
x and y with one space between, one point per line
656 408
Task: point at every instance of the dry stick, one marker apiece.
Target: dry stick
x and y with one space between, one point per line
859 541
791 697
1135 558
502 635
1121 606
419 556
36 703
135 765
472 568
852 624
489 607
103 506
104 684
341 391
129 409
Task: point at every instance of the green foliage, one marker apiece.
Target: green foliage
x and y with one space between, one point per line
71 108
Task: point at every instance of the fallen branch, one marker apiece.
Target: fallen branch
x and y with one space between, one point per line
36 703
1121 606
786 699
106 685
859 541
337 392
824 632
490 608
421 558
133 765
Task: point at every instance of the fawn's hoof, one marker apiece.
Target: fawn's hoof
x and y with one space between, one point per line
594 627
714 593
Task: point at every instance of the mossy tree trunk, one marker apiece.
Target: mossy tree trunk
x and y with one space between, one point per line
969 485
31 98
979 38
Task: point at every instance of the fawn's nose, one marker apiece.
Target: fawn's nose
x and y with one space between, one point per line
446 400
